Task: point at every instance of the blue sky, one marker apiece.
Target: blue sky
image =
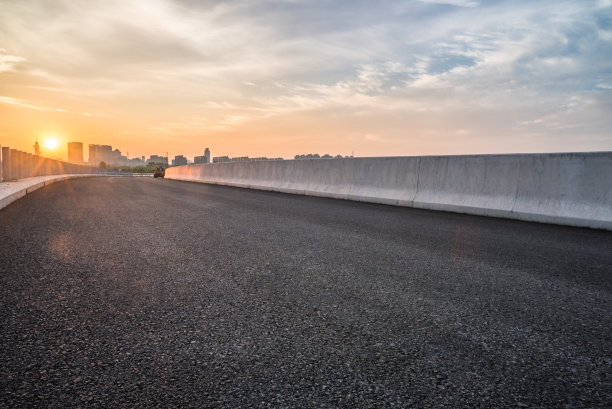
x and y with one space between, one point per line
283 77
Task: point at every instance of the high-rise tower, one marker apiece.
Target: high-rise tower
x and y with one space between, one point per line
75 152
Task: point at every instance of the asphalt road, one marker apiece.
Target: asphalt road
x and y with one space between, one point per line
136 292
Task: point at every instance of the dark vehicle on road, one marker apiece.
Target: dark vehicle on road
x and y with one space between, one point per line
159 172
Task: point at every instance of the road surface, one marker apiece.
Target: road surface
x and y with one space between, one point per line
140 292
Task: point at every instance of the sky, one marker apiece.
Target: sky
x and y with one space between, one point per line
278 78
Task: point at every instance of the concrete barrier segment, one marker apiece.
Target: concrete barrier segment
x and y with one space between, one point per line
574 189
6 164
22 165
330 178
16 155
26 164
244 174
390 180
265 175
292 176
14 168
38 162
477 184
29 164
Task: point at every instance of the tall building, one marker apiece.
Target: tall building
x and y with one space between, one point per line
203 159
179 160
36 148
75 152
100 153
92 154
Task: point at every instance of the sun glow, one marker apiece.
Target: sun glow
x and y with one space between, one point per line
51 143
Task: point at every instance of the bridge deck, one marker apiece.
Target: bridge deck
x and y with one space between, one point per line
135 291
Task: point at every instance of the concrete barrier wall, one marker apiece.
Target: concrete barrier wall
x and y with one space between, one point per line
17 165
569 188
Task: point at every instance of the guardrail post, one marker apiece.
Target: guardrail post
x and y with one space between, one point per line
6 163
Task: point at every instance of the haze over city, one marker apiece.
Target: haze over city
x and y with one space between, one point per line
281 78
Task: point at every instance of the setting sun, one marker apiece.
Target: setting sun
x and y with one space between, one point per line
51 143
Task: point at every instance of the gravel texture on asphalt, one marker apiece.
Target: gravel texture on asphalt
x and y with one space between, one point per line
138 292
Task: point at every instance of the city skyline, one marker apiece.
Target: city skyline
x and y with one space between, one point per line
284 77
105 153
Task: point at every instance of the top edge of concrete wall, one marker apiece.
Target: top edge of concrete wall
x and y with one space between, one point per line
590 153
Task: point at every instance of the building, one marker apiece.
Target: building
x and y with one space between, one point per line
179 160
92 154
264 158
75 152
240 159
110 156
203 159
100 153
158 159
220 159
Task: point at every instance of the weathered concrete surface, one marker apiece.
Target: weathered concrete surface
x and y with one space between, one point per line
570 188
141 292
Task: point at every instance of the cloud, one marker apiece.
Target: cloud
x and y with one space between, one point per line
7 61
22 104
27 105
458 3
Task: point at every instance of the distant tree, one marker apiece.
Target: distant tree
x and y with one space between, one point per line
102 165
